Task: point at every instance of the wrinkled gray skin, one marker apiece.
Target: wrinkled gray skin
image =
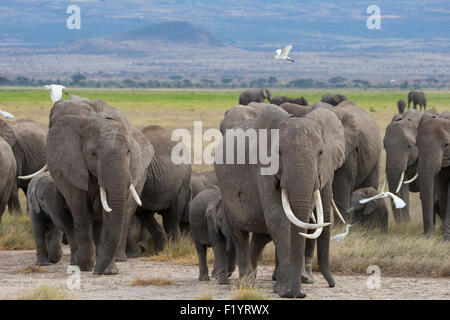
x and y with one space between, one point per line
50 217
8 174
27 141
433 143
254 95
166 192
373 214
417 98
295 109
208 225
401 105
202 181
238 114
96 147
311 149
280 100
333 99
363 146
401 156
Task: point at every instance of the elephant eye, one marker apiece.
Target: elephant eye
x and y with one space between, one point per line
93 153
320 152
446 145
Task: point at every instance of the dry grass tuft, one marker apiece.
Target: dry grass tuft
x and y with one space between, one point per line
16 232
45 293
248 294
31 269
152 282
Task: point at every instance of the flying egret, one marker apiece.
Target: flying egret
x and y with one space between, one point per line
56 91
398 202
341 236
284 54
7 115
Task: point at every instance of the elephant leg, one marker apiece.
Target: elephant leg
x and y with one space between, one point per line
132 248
241 244
344 184
446 222
121 249
13 201
54 237
202 265
97 231
171 220
231 261
85 254
156 231
40 240
220 262
307 276
323 242
257 245
277 263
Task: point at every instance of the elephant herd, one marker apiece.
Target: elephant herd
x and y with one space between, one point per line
101 181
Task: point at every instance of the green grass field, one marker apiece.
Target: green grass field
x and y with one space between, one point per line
402 251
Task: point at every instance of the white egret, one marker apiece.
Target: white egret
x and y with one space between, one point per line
398 202
284 54
7 115
56 91
341 236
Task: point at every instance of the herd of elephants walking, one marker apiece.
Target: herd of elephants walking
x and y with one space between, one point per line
96 181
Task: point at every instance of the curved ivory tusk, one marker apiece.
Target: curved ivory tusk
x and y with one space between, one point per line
400 182
412 179
31 176
135 195
290 215
104 201
336 210
313 218
319 209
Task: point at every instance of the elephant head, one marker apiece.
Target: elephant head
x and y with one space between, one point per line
401 157
104 159
433 142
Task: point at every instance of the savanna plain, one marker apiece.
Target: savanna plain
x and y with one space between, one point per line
411 266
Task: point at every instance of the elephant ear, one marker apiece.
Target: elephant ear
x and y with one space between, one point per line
142 153
211 219
333 152
7 132
64 155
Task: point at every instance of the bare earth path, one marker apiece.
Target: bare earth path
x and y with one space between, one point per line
13 285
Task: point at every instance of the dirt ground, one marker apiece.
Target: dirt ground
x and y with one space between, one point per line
13 285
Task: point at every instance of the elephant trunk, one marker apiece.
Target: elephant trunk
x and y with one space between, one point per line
428 167
116 184
395 175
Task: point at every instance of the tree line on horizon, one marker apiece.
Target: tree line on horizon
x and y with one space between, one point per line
177 81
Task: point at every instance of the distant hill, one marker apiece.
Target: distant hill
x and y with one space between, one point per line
159 36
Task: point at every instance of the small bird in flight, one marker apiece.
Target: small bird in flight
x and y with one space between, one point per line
7 115
56 91
284 54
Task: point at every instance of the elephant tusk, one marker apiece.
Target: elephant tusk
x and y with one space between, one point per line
104 201
336 210
313 218
400 182
319 209
290 215
412 179
31 176
135 195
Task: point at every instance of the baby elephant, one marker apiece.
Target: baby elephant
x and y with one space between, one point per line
209 226
50 216
373 214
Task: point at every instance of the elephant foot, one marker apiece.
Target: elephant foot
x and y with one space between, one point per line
42 262
288 290
133 251
203 277
86 265
223 279
54 257
306 274
274 275
121 257
160 244
111 269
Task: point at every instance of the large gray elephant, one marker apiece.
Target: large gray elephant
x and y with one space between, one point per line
280 100
401 159
363 147
433 167
8 174
50 217
417 98
277 205
98 162
333 99
27 141
254 95
166 192
209 226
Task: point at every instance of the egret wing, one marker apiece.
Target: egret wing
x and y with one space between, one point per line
286 51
